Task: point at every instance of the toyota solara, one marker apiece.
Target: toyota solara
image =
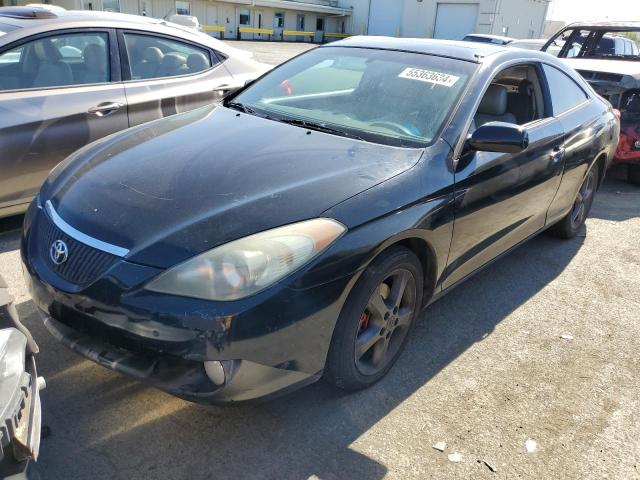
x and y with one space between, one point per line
296 230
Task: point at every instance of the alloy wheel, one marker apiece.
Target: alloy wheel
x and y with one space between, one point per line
583 199
385 322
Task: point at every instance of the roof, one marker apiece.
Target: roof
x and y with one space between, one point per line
25 16
621 25
469 51
487 35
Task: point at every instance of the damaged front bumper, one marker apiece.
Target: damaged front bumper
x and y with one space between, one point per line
20 410
212 382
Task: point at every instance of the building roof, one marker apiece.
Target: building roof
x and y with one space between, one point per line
469 51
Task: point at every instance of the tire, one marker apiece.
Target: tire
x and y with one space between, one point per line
362 320
571 224
633 174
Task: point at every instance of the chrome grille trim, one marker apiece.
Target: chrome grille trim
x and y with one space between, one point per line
82 237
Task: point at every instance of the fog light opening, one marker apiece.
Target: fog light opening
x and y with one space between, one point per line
215 372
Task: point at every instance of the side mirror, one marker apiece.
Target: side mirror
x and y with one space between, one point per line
499 137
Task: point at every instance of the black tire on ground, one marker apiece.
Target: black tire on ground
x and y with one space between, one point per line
570 225
376 320
633 174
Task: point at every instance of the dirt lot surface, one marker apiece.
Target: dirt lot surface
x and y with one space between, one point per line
272 53
486 371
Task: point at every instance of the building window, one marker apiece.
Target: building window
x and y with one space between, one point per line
278 20
183 8
111 5
8 3
320 24
245 17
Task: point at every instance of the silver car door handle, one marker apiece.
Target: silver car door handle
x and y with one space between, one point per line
104 109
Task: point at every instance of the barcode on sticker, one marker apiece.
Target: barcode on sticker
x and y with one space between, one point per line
430 77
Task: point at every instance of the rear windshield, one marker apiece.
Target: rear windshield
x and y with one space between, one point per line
599 43
389 97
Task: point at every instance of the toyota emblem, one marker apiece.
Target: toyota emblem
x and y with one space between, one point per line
59 252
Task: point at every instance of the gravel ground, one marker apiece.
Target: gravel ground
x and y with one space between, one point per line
272 53
486 371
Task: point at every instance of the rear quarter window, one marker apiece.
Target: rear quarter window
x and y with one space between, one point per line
565 92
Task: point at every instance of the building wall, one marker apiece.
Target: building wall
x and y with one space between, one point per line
218 13
521 18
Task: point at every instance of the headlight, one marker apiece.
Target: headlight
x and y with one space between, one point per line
246 266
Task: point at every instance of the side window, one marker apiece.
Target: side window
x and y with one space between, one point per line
565 93
56 61
514 96
156 57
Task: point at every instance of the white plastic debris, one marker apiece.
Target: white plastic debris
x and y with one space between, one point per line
566 336
440 446
455 457
531 445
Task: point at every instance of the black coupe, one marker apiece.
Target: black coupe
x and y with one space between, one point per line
296 230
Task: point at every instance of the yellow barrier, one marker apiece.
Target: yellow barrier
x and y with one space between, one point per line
212 28
338 35
266 31
296 33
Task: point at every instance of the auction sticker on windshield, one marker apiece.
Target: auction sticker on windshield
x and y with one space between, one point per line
429 76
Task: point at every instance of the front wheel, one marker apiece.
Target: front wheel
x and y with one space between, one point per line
376 321
570 225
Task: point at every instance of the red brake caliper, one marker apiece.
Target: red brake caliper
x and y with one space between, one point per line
364 321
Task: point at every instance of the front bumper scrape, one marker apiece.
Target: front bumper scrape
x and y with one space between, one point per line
245 381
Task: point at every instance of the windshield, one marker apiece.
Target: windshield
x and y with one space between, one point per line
382 96
599 43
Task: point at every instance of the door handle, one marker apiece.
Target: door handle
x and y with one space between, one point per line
106 108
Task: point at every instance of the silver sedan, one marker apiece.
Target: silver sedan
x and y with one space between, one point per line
68 78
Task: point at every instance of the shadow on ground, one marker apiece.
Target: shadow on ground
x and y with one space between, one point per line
622 197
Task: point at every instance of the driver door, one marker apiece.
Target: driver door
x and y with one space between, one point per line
502 198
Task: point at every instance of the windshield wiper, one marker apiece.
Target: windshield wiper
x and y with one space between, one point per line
240 106
320 127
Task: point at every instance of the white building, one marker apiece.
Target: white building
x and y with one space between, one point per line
330 19
449 19
225 17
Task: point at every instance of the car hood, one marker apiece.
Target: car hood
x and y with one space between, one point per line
176 187
620 67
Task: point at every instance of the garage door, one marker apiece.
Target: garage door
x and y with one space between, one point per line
385 17
455 20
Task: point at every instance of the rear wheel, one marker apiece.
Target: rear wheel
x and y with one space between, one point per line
633 174
376 321
570 225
